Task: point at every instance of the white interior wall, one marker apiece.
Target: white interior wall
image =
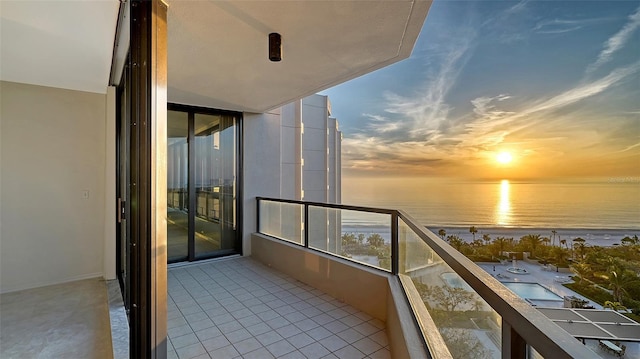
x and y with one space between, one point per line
110 186
52 151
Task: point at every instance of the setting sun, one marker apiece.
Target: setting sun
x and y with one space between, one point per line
504 157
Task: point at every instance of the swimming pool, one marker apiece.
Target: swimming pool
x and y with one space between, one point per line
532 291
454 281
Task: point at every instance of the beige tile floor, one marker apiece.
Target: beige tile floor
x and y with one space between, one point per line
69 320
232 308
238 308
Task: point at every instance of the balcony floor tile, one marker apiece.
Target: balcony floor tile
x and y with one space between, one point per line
252 311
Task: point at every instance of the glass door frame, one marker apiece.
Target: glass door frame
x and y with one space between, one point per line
123 121
141 191
191 112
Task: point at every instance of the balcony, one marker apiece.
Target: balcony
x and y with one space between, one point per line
307 291
226 308
239 308
457 309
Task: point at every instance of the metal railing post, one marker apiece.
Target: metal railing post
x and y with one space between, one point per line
258 199
306 225
523 327
513 345
395 255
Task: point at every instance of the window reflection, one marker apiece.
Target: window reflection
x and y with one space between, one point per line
215 157
201 182
177 180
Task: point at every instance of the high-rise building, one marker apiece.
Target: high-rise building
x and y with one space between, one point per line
311 144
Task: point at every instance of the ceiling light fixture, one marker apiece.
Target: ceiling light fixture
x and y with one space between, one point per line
275 47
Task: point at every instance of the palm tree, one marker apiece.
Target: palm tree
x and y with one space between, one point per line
455 241
554 232
614 305
558 254
477 305
620 279
486 238
442 233
579 243
545 253
375 240
629 241
501 242
473 231
583 271
533 240
616 284
564 242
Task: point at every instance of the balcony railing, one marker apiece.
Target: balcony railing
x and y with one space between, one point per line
474 314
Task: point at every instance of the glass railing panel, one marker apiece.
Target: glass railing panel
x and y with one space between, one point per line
469 327
282 220
363 237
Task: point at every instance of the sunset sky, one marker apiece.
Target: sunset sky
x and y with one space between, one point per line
554 85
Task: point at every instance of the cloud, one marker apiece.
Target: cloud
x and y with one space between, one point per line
486 127
430 131
560 31
557 26
628 148
505 26
588 89
493 124
560 26
363 153
380 124
483 104
617 41
423 112
508 14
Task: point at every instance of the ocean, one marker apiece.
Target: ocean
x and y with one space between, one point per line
609 204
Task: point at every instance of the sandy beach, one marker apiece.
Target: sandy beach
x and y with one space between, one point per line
594 237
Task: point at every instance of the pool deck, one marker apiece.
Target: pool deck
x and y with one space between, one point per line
536 274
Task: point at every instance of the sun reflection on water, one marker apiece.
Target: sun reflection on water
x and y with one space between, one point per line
503 208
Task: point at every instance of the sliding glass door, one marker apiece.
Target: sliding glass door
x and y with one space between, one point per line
140 162
202 183
177 186
123 228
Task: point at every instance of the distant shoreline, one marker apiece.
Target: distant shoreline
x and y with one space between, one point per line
600 237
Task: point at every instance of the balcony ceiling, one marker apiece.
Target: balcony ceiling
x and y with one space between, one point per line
217 50
56 43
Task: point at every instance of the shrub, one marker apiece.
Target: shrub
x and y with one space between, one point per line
482 258
594 293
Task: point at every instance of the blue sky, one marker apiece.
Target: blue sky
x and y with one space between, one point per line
554 83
